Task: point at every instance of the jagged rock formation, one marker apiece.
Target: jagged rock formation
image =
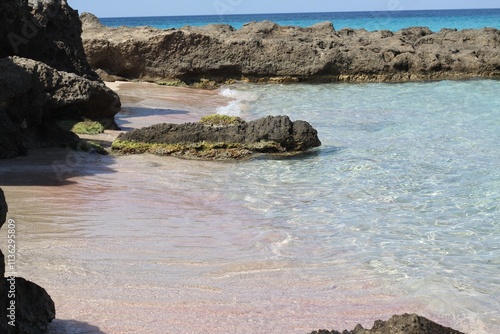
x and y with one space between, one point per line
48 31
24 306
33 95
44 75
399 324
264 51
221 137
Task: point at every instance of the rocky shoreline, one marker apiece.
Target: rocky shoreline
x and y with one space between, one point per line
45 77
267 52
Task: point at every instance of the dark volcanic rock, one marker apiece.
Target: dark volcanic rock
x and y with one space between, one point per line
265 51
272 134
33 95
399 324
33 308
48 31
3 208
57 83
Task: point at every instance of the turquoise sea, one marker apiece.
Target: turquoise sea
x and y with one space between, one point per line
385 20
398 211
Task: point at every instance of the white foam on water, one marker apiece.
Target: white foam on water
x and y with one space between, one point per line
240 105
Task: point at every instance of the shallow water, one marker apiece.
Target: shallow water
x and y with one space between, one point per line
396 212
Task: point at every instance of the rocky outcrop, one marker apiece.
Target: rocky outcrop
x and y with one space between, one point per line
24 306
34 95
264 51
221 137
48 31
399 324
34 309
44 75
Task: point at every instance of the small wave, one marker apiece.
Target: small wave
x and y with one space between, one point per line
234 108
241 104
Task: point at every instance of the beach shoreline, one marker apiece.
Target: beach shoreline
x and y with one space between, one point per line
180 204
145 104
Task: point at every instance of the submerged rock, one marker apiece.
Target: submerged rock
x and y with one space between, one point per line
268 52
221 137
24 306
399 324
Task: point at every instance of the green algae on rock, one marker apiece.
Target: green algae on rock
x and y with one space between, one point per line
219 137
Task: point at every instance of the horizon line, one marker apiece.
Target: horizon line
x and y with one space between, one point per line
327 12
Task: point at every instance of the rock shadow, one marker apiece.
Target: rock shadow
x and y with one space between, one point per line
124 118
53 167
59 326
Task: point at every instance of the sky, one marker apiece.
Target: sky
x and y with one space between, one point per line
128 8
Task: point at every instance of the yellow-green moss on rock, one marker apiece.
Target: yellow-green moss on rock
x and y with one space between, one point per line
201 150
220 120
86 127
220 137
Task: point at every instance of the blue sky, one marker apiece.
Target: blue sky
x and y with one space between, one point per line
124 8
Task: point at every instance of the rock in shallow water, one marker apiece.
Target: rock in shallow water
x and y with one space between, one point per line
399 324
227 138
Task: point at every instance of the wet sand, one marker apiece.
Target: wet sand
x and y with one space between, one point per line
145 104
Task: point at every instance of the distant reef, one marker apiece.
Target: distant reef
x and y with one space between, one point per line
267 52
45 77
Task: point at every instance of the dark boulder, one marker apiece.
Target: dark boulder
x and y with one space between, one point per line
3 208
235 138
48 31
34 309
44 75
34 95
399 324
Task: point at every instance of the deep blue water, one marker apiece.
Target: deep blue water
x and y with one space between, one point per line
385 20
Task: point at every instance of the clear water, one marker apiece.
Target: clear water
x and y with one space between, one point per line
397 212
386 20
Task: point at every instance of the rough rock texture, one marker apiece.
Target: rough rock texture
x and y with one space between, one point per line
272 134
264 51
399 324
57 83
34 309
48 31
3 209
33 95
